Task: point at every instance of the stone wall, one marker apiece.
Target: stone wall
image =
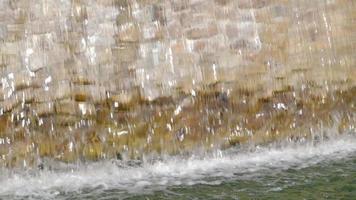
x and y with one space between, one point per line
88 79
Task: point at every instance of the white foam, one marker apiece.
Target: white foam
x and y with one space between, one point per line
176 171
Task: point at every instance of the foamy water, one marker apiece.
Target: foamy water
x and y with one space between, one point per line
208 169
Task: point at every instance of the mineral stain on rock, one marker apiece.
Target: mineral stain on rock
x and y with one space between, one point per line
91 80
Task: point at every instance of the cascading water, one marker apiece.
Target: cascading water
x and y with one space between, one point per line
155 94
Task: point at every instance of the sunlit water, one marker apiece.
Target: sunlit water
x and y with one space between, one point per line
310 170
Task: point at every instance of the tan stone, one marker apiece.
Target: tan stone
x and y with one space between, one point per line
128 33
202 32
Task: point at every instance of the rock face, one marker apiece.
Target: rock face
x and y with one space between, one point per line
94 79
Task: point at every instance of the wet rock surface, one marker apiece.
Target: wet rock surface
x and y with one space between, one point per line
90 80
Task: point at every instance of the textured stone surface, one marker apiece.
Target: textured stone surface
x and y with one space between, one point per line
91 79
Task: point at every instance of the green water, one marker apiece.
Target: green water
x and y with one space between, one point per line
329 180
326 180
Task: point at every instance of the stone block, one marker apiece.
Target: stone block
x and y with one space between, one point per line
202 32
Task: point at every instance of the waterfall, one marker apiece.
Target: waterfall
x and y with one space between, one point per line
88 80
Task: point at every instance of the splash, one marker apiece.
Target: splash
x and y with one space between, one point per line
198 169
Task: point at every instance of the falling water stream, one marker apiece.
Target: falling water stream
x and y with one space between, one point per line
177 99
